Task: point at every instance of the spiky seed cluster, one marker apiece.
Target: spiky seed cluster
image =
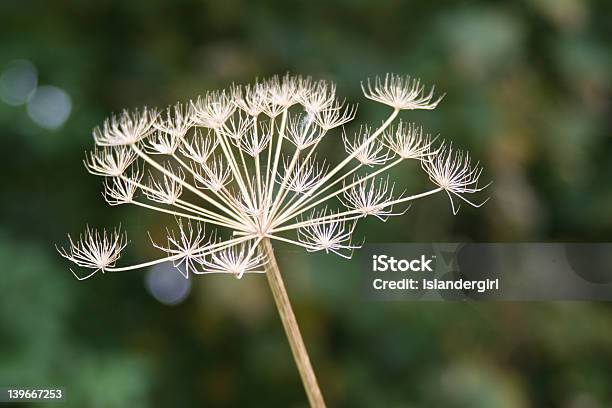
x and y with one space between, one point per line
369 153
408 142
121 189
331 234
127 128
401 93
237 260
95 250
455 174
185 246
374 197
168 188
245 161
109 162
304 175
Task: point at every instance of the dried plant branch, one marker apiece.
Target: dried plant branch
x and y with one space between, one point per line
245 161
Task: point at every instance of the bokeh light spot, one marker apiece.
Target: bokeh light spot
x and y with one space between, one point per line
166 284
17 82
49 107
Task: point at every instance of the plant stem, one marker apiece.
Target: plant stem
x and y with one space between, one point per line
300 355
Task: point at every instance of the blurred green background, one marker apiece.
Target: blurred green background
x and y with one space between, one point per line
528 92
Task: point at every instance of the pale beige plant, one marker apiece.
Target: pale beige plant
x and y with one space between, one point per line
245 162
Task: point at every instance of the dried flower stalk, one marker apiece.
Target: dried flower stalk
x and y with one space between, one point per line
247 157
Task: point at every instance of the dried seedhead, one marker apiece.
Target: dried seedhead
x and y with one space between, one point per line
244 160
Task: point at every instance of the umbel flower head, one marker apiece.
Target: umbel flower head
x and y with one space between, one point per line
246 163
